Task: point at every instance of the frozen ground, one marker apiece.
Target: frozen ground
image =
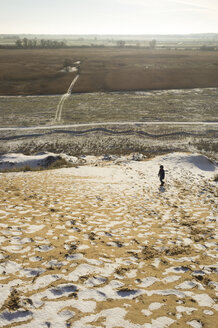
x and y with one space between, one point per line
191 105
119 123
102 245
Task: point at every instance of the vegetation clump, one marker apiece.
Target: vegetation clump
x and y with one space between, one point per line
13 302
149 253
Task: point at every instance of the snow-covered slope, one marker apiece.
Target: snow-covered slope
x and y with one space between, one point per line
103 245
17 160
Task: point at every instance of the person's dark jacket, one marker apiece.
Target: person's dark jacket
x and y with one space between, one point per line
161 173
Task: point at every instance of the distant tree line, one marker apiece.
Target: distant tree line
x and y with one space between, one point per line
35 43
209 48
22 42
122 44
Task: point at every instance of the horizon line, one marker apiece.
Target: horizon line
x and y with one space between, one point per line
115 34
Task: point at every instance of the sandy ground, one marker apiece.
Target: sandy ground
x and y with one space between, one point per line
103 245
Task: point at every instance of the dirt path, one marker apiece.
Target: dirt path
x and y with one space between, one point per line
63 99
50 127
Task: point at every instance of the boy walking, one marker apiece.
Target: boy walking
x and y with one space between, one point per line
161 174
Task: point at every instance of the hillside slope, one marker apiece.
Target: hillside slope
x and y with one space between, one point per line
103 245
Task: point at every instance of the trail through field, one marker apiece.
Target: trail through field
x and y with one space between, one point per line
102 245
63 98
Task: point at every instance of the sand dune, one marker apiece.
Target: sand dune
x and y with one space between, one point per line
103 245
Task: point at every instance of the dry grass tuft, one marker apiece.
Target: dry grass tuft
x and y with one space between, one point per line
216 178
13 301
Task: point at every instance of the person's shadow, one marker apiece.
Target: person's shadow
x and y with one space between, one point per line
162 189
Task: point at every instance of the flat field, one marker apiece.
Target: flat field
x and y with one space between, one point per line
159 106
28 123
38 72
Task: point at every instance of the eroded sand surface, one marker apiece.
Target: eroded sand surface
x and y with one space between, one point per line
103 246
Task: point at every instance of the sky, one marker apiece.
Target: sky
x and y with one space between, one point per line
108 16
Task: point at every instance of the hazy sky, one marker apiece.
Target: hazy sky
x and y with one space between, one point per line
108 16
